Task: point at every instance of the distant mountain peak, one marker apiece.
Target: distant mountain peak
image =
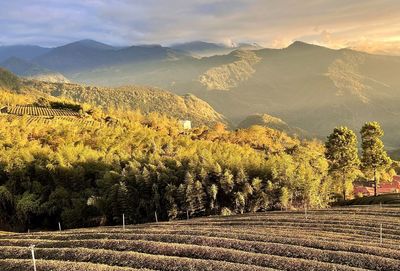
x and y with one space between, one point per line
304 45
299 44
90 44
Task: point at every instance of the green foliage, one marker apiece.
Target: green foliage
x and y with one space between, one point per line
284 197
65 105
342 154
375 161
27 207
141 165
145 99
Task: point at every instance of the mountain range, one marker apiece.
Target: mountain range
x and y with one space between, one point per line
203 49
309 87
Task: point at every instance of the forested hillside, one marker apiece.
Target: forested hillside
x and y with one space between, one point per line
31 70
308 86
273 123
145 99
140 164
83 166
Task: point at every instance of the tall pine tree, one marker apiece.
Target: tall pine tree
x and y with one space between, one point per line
342 154
375 160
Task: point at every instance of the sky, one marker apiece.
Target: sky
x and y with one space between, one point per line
370 25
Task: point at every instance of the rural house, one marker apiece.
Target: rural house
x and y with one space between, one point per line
383 188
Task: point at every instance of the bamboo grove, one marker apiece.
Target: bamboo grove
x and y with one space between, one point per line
147 165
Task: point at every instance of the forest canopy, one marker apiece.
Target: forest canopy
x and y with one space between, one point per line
89 170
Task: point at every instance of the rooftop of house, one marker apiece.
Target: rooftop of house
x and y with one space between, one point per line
383 188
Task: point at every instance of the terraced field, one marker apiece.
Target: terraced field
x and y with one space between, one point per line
49 120
45 115
39 111
353 238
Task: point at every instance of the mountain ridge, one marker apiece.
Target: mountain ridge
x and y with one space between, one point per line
309 86
31 70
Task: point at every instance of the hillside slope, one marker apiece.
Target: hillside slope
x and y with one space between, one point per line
25 52
145 99
31 70
321 240
266 120
8 80
310 87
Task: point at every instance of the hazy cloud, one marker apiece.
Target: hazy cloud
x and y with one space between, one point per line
273 23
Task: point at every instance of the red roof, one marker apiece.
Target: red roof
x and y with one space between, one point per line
393 185
366 191
396 178
383 188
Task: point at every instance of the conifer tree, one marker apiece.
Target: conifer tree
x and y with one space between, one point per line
342 154
375 160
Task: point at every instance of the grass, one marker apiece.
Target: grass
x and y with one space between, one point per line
345 238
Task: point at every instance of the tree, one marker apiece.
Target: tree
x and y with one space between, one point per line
194 194
6 205
259 199
227 181
240 202
342 154
27 207
375 160
213 192
284 198
170 197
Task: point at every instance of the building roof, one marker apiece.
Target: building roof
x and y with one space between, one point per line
364 190
383 188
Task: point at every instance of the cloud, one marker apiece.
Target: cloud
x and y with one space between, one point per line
273 23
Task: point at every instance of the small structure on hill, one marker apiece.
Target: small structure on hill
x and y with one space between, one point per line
186 124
